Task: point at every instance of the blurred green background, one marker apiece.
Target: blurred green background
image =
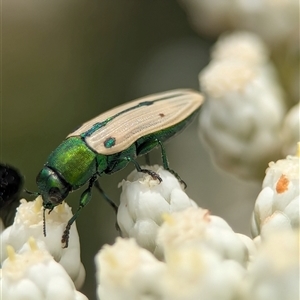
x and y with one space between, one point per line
64 62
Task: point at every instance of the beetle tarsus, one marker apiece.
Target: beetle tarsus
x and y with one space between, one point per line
153 174
178 178
65 236
44 221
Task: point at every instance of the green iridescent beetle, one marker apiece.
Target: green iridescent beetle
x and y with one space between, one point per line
107 143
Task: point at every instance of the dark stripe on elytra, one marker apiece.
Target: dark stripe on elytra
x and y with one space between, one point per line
99 125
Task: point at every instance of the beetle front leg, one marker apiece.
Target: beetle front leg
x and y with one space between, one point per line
84 200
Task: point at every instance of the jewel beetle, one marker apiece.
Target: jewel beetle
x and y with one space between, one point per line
11 183
108 142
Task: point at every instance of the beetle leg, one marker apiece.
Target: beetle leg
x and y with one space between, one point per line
166 163
110 202
147 146
139 169
84 200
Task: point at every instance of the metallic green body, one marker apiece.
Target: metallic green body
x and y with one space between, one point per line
76 163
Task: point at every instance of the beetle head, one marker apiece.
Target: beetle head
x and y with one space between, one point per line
52 188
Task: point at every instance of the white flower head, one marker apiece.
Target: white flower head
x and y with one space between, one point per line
143 202
274 274
278 203
242 93
28 223
197 227
35 275
126 271
241 45
198 273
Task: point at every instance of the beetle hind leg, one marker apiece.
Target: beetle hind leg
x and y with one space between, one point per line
147 146
166 163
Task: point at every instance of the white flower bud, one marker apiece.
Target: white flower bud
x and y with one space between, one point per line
195 272
241 118
144 200
35 275
126 271
241 45
28 222
274 274
196 227
278 203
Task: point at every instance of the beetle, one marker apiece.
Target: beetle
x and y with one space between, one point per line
11 183
108 142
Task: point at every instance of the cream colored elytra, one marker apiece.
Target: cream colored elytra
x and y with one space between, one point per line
170 108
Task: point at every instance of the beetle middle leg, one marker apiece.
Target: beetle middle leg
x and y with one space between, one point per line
153 174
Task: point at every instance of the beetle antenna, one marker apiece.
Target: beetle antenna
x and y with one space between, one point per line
31 193
44 222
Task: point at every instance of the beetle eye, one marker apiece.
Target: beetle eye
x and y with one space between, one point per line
55 195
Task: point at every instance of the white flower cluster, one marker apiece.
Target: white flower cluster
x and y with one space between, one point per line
200 256
243 120
171 249
47 257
